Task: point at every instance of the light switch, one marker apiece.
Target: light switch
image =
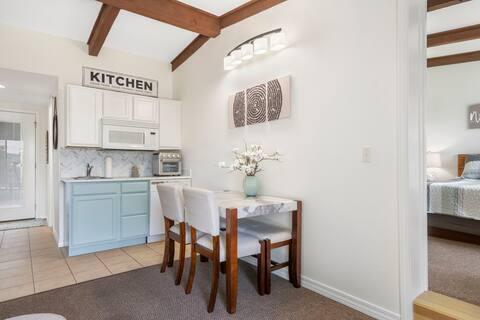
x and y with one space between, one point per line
366 154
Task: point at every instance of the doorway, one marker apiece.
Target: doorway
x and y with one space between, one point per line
17 166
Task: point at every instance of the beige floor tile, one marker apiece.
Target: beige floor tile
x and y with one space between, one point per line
147 261
15 264
92 274
18 255
85 263
38 261
53 283
46 266
6 243
43 245
157 246
15 281
124 267
110 253
15 271
118 261
16 292
46 251
54 270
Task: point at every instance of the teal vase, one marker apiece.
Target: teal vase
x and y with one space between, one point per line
250 186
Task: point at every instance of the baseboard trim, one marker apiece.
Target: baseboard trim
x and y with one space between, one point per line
155 238
344 298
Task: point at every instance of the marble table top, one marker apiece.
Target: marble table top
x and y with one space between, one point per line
253 206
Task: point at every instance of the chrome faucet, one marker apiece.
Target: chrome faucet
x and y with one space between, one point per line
89 169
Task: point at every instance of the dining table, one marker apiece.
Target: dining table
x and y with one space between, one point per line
235 205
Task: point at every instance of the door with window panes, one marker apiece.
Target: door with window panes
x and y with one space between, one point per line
17 166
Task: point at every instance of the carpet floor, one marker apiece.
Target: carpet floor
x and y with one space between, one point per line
454 269
148 294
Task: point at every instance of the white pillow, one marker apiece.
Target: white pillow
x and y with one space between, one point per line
471 170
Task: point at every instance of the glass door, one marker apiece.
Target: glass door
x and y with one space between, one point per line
17 166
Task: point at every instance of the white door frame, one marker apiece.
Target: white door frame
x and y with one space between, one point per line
37 145
411 192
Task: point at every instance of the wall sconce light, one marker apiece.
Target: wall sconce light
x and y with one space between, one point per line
274 40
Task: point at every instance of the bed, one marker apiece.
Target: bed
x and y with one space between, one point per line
454 206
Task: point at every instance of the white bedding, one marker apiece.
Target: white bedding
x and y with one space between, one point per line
459 197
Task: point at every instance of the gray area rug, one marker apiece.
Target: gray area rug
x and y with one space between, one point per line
147 294
454 269
20 224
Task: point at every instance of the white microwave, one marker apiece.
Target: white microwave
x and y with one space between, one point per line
129 136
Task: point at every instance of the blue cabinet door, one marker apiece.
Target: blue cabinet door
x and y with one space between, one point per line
95 219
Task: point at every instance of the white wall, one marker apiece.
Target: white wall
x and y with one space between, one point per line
342 59
450 91
41 53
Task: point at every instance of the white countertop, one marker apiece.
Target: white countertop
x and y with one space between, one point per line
71 180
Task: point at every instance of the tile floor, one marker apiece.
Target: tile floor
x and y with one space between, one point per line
31 262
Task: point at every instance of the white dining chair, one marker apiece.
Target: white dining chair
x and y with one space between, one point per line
176 230
202 214
274 236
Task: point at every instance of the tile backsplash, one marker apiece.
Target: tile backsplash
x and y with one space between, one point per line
73 162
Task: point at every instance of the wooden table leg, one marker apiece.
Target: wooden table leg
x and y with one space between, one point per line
232 260
297 245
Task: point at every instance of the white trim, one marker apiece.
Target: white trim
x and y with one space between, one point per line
339 296
411 198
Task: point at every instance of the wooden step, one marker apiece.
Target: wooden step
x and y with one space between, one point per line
435 306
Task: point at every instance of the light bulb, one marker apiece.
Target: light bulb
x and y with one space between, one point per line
247 51
227 63
278 41
237 57
260 45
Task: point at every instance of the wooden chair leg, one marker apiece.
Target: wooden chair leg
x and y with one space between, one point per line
193 262
261 269
171 252
215 274
290 264
166 250
223 267
181 258
268 264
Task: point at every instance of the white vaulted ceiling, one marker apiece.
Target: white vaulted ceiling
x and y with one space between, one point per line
132 33
454 17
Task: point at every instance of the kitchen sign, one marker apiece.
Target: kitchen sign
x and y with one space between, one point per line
114 81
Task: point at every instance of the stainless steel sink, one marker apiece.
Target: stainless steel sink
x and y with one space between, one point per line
89 178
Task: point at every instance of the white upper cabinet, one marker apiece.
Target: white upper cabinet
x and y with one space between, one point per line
145 109
117 106
84 112
170 124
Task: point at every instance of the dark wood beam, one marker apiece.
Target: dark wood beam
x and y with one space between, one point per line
439 4
246 10
104 22
189 51
236 15
454 59
452 36
172 12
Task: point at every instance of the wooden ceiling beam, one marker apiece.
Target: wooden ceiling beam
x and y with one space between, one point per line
189 51
440 4
246 10
172 12
453 59
452 36
100 29
238 14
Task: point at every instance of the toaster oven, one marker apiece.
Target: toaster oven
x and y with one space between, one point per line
167 163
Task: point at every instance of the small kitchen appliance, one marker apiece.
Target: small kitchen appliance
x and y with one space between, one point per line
167 163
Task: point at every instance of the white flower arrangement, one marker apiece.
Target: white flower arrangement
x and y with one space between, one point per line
249 161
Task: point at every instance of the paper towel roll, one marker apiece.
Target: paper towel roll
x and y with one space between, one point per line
108 167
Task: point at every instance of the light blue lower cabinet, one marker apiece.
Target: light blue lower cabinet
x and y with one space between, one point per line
105 215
